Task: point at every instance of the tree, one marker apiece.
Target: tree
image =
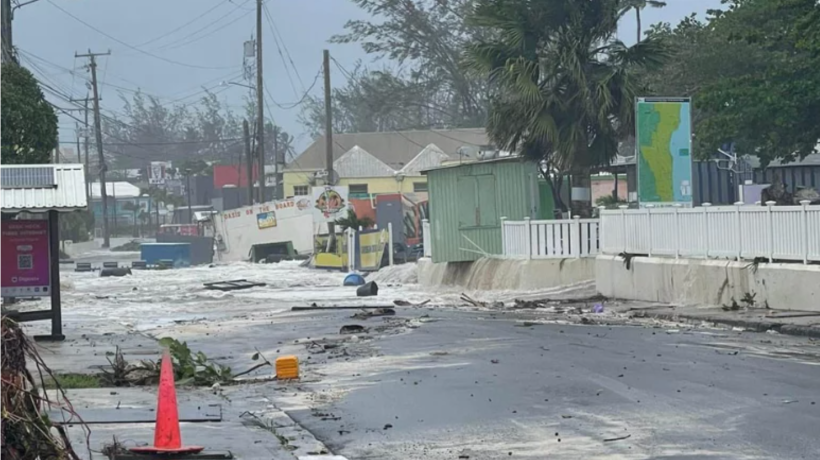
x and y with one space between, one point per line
773 113
638 5
564 86
423 87
29 132
353 221
134 208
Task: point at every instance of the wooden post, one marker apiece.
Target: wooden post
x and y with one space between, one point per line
54 280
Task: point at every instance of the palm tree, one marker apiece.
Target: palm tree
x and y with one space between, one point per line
639 5
135 208
563 84
353 221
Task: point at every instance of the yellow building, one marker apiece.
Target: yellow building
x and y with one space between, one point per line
388 162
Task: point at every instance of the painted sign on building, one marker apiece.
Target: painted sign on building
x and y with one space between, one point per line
158 173
664 151
329 203
25 258
266 219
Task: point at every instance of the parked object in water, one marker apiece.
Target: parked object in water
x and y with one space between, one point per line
368 289
139 265
178 253
111 264
83 267
354 279
118 271
232 285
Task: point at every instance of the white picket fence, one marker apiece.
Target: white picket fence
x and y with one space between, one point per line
549 239
732 232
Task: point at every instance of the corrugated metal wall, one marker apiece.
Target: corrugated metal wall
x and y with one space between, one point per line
719 186
516 195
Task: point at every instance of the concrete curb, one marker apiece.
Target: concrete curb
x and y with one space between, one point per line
753 325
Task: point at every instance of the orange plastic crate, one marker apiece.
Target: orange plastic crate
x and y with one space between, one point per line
287 367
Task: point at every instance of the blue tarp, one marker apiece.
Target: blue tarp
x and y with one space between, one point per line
354 279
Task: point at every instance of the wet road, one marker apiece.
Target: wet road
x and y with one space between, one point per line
469 386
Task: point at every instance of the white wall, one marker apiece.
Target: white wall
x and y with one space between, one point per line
239 229
506 274
709 282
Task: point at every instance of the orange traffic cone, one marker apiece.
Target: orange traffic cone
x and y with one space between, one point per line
166 432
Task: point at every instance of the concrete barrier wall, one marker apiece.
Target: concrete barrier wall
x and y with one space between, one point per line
709 282
506 274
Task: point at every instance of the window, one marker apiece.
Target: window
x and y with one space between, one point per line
300 190
419 187
360 189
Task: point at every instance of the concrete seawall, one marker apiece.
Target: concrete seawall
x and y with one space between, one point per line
506 274
710 282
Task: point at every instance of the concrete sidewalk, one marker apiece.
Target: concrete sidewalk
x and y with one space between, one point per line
805 324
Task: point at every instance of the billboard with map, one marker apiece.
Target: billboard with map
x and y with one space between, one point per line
664 151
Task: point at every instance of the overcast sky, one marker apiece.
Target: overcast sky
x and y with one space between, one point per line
159 46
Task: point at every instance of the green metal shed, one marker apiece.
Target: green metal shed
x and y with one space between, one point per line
468 200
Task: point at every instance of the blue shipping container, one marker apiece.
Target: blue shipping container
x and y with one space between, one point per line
180 253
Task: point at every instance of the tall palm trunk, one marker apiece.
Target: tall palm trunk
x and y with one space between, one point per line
638 17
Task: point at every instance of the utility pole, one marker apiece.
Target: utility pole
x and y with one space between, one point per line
277 189
247 133
8 48
98 134
86 132
260 92
331 227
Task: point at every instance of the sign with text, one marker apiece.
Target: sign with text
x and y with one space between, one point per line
25 258
372 244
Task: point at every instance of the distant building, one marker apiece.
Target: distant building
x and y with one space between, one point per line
383 162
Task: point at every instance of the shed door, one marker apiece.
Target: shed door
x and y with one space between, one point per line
488 212
467 207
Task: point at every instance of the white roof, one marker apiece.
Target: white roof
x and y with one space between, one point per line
116 189
66 193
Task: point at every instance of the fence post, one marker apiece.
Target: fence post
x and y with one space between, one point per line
503 236
649 224
351 249
390 243
528 226
770 230
739 230
600 233
575 237
624 238
705 232
804 223
677 207
425 238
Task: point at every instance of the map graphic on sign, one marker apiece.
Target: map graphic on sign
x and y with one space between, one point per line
664 151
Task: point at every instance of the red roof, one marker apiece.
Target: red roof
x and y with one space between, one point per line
232 175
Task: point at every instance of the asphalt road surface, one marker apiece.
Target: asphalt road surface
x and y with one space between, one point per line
479 386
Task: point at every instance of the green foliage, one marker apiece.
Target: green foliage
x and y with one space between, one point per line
353 221
75 226
564 85
421 85
29 131
71 381
192 367
210 132
609 202
773 112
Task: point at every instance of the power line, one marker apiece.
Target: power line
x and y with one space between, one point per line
170 61
287 52
279 49
350 78
178 28
182 41
304 97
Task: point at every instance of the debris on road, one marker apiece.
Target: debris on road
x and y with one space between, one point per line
375 312
351 329
598 308
353 279
619 438
405 303
232 285
368 289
